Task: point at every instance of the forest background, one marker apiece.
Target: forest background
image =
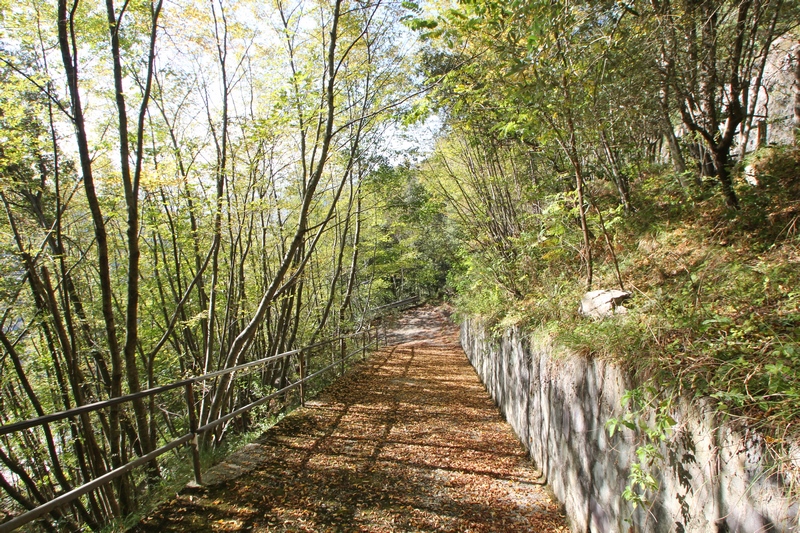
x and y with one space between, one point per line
189 186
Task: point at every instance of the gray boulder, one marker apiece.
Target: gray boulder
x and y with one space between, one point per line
603 303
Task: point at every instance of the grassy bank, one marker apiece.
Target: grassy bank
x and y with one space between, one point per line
715 311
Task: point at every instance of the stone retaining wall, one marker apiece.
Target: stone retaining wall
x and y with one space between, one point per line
712 478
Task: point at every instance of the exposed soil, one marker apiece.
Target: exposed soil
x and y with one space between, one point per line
407 441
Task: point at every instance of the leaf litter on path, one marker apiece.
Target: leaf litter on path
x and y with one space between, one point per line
407 441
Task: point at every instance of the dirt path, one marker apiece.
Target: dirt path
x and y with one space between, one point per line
409 441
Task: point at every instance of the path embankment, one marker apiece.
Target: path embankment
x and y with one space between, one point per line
711 476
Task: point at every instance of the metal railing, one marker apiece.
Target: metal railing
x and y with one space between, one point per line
190 438
401 304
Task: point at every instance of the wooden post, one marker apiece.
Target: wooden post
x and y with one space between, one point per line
302 356
198 477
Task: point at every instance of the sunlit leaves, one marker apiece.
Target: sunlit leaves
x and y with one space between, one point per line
238 122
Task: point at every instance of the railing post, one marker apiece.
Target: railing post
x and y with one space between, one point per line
198 477
302 356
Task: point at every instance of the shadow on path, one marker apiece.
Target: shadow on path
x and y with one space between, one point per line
407 441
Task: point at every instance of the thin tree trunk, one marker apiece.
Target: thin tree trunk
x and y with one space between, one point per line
797 95
620 180
221 173
675 153
721 157
131 184
351 280
66 40
243 341
750 93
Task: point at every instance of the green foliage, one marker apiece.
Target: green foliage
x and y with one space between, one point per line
715 312
240 231
415 249
547 89
769 211
648 417
548 102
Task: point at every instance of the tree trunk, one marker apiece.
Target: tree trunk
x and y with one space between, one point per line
721 156
280 282
351 280
678 162
797 95
130 182
761 134
587 248
66 45
675 153
620 180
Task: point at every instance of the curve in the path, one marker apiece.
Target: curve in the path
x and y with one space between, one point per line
408 441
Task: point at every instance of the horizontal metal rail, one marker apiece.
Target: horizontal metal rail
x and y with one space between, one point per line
394 305
190 437
67 497
96 406
265 399
335 363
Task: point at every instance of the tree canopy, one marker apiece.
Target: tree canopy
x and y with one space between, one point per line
187 186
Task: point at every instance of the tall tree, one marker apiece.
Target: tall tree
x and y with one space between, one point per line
716 50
